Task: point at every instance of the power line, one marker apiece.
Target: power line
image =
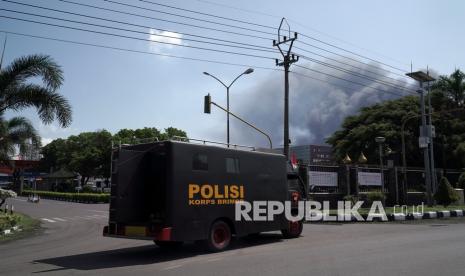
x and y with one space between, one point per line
136 51
249 29
134 31
80 29
126 23
352 89
136 25
97 25
275 16
188 17
225 31
207 14
350 81
164 20
346 57
136 38
347 64
352 52
359 75
182 57
259 31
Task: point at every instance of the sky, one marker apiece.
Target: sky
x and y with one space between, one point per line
113 89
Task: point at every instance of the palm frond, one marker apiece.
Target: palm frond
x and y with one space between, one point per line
49 104
32 66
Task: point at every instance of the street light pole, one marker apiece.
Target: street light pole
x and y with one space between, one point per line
424 139
248 71
380 140
207 109
431 145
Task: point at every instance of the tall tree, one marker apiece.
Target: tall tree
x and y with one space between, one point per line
17 92
90 154
359 131
453 87
171 132
385 119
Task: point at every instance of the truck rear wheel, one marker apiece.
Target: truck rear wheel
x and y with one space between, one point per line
219 236
293 230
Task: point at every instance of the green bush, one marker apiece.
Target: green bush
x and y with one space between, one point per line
461 181
78 197
375 196
87 189
352 198
445 194
7 221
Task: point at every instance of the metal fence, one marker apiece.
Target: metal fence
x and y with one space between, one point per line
399 186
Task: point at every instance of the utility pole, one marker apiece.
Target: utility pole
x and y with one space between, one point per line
3 51
288 59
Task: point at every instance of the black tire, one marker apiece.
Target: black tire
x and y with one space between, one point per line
293 230
219 237
168 244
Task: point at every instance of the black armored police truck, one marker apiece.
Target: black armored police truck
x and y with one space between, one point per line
175 191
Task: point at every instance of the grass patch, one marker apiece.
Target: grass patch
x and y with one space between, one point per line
28 225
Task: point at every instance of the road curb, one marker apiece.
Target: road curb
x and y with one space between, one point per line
404 217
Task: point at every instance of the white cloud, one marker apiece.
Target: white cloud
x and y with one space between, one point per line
163 37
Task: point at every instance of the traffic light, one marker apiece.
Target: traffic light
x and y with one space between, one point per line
207 104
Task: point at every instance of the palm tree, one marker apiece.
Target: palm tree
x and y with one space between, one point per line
17 133
453 86
16 93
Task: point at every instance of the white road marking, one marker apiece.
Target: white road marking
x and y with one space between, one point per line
101 216
60 219
47 220
98 211
171 267
213 260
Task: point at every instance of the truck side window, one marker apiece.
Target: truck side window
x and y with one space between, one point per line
232 165
200 162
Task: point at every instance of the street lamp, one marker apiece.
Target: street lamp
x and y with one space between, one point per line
425 133
246 72
380 140
207 109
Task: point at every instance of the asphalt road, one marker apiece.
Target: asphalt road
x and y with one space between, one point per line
71 243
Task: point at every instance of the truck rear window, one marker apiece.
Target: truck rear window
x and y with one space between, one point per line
200 162
232 165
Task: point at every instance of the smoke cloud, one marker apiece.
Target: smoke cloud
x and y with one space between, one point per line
316 108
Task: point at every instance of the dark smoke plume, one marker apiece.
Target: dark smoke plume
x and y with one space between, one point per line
317 108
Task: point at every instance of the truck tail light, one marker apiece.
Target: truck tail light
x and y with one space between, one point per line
295 196
164 234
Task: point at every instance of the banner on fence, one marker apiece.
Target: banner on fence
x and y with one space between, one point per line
326 179
369 179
